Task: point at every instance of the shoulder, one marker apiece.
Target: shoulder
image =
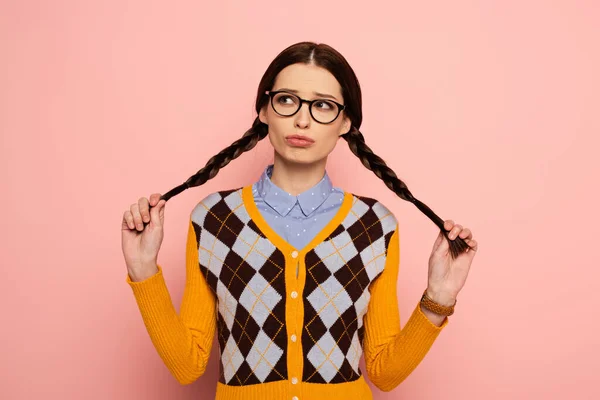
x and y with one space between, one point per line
217 204
372 227
371 211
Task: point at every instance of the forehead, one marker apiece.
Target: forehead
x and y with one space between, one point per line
308 78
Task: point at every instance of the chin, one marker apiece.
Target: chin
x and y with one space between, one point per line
294 156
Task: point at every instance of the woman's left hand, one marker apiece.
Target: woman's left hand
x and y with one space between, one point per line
448 276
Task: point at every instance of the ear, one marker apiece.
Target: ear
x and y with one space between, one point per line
262 115
345 126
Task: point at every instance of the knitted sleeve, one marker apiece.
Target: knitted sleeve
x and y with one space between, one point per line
392 353
182 340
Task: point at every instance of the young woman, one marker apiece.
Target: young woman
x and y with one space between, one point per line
297 276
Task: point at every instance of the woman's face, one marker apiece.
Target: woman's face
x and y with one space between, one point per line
305 81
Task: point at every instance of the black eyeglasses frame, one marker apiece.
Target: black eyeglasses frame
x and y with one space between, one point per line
272 94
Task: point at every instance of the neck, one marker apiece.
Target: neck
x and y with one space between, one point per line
296 178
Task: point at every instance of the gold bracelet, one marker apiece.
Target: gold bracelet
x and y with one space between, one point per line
428 303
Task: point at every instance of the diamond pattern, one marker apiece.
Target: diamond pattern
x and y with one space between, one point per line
246 272
330 300
339 273
259 298
231 359
227 304
212 246
263 356
326 356
354 353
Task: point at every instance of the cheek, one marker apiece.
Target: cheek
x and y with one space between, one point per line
329 140
326 142
277 130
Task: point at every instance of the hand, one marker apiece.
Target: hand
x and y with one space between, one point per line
141 236
448 276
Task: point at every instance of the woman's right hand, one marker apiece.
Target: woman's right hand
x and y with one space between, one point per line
142 235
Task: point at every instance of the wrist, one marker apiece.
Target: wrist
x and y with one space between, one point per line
143 273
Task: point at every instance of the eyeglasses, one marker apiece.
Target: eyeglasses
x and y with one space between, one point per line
287 104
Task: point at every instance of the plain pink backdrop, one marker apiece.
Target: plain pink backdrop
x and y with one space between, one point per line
488 111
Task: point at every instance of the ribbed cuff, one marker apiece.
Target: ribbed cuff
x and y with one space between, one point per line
152 296
421 316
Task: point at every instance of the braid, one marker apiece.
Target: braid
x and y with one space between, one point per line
251 137
373 162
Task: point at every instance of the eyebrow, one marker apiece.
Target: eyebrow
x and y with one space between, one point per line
315 93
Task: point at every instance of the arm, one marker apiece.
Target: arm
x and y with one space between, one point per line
183 341
392 353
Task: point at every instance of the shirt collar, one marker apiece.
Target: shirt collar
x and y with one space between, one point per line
283 202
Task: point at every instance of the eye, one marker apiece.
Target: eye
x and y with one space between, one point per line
324 105
284 99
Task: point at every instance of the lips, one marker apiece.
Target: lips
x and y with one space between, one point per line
300 137
299 141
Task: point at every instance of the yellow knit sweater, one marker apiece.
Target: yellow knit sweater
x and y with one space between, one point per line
183 340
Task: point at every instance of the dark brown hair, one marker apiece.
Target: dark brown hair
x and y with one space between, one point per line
326 57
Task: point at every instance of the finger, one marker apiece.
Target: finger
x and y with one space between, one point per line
144 206
465 233
128 220
472 249
157 212
154 197
454 231
137 218
474 245
448 224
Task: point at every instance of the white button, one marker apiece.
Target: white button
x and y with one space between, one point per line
294 254
295 398
293 338
294 380
294 294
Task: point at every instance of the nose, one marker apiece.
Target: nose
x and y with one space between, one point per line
302 116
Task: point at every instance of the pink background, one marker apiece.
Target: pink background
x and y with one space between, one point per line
488 110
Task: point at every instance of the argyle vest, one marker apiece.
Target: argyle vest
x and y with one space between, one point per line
268 292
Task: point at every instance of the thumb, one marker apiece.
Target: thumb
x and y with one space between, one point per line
157 213
438 241
444 245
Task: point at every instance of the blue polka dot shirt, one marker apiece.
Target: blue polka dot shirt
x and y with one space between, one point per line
297 219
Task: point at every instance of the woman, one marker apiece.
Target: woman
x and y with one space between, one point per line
297 276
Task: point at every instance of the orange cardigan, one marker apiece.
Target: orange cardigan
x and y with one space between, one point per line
183 340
